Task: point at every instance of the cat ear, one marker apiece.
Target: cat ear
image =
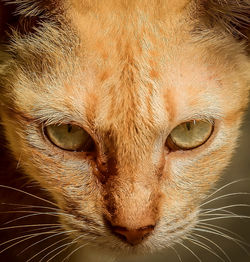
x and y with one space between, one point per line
23 15
233 16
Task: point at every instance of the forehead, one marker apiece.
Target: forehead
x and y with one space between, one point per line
134 67
138 61
154 6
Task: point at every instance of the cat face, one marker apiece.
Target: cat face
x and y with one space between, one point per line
126 118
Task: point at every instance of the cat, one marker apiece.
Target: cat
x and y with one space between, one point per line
123 113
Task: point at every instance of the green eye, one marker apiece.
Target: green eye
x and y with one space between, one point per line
190 135
69 137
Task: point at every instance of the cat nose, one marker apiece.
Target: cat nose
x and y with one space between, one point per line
132 236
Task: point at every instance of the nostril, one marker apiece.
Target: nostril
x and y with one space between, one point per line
119 234
132 236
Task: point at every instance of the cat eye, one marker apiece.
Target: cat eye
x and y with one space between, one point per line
189 135
69 137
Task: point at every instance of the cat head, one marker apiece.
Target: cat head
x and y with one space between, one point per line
126 112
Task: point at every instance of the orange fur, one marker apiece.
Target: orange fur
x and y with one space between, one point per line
127 72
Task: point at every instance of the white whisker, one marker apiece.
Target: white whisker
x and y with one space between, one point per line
224 235
212 242
43 228
210 210
221 228
23 226
59 252
31 215
42 240
29 194
30 206
177 254
227 185
218 233
225 217
40 252
191 251
204 246
24 236
25 239
76 249
224 196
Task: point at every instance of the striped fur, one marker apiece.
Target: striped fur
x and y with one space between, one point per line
127 72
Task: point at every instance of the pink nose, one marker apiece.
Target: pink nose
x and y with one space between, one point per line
132 236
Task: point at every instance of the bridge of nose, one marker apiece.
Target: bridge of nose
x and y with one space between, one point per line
132 205
132 191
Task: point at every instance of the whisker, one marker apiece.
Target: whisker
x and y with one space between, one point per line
40 252
61 240
23 211
226 214
227 185
224 235
30 206
40 241
31 215
22 226
224 196
199 243
59 252
225 217
191 251
20 237
215 232
43 228
212 242
204 246
23 240
69 244
29 194
221 228
177 254
210 210
75 250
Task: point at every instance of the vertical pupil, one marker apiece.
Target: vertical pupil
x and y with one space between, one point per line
188 125
69 128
